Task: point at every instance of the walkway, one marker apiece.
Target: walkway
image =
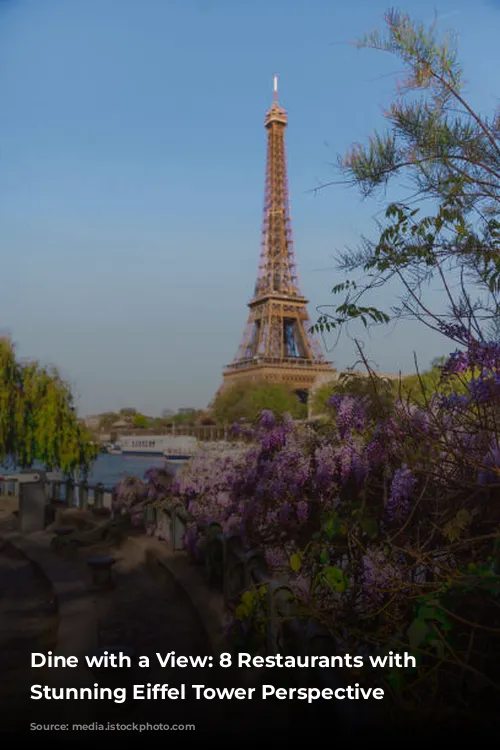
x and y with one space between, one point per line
147 611
28 623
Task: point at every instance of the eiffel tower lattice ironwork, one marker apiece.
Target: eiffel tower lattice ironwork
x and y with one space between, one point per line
277 344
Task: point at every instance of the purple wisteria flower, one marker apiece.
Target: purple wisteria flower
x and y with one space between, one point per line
403 484
302 510
351 414
352 461
267 419
456 331
482 356
485 387
454 401
326 465
335 400
285 512
274 439
130 492
490 473
380 578
375 453
276 558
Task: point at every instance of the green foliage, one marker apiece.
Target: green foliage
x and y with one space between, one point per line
334 578
38 421
185 418
419 388
448 153
107 420
430 630
128 412
379 392
140 421
248 398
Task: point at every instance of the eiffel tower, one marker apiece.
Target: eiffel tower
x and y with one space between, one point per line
277 345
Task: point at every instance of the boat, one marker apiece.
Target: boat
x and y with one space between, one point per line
176 458
114 450
171 447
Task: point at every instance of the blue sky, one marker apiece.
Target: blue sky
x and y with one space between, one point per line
132 153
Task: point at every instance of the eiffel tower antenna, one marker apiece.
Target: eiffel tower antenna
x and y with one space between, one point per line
277 345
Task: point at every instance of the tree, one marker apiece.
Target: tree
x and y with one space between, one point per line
378 392
140 421
247 399
452 156
187 418
421 387
128 412
107 420
38 420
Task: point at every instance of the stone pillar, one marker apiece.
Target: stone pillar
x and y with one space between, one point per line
32 504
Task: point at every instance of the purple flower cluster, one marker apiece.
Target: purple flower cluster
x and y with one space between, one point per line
486 387
351 414
455 331
403 484
380 578
482 356
276 558
130 492
267 419
326 465
454 401
336 464
490 472
352 461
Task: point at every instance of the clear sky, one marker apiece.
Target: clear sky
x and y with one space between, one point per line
132 153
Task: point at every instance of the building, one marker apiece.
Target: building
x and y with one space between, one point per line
277 345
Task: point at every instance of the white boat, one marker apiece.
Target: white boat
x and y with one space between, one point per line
172 447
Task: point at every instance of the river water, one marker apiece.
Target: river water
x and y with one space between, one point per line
111 469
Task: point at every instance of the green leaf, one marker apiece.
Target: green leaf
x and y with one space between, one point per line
370 527
296 563
242 611
248 598
336 579
439 647
331 527
395 679
417 633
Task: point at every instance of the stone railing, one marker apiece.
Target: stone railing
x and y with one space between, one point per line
227 565
232 569
67 491
41 492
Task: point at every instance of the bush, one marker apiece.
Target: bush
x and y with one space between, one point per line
389 529
248 398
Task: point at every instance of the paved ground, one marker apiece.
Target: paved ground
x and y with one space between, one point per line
28 623
149 614
145 610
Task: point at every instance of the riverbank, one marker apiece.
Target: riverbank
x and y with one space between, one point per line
109 470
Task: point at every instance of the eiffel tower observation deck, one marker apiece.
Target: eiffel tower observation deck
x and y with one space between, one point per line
277 345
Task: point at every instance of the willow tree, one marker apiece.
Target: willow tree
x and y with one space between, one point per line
38 420
446 230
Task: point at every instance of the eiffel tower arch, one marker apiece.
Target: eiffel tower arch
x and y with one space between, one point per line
277 345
